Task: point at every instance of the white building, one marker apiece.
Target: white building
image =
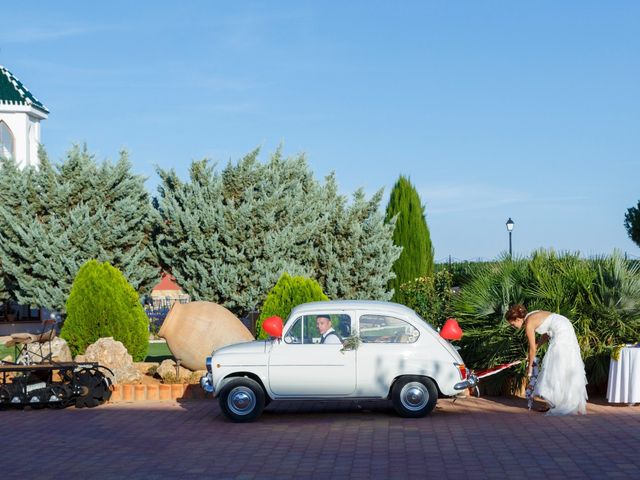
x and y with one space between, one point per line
20 116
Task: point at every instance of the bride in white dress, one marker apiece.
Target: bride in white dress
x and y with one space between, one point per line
562 380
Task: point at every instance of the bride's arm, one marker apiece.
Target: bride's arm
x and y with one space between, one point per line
531 336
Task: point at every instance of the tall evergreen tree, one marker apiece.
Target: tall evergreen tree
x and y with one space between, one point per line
55 218
355 249
632 223
411 233
228 236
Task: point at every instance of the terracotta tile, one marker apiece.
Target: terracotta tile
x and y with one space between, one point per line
165 392
139 392
177 390
153 392
116 393
127 392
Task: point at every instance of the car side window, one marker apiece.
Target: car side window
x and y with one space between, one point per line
305 331
386 329
294 334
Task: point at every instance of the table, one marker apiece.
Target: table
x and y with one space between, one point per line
624 377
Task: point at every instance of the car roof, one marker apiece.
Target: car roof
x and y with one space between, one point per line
332 305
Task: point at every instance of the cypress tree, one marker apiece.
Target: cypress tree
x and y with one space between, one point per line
55 218
103 304
411 233
355 250
228 236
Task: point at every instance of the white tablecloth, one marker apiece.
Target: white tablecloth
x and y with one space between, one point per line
624 377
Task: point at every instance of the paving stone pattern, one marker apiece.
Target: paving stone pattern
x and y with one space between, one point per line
471 438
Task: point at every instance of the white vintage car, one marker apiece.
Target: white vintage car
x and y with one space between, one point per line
388 351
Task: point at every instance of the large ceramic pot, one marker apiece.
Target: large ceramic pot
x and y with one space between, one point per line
194 330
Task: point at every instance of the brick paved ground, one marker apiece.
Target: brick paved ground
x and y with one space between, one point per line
471 438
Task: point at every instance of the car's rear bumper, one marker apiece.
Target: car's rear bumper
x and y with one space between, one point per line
470 382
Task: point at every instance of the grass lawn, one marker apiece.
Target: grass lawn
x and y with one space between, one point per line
158 352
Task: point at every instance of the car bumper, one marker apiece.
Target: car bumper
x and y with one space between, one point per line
470 382
206 382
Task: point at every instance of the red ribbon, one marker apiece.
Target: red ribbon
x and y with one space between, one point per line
492 371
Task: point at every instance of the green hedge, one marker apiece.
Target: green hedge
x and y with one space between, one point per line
430 297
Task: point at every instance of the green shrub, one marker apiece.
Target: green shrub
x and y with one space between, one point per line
600 296
462 272
103 304
430 297
288 293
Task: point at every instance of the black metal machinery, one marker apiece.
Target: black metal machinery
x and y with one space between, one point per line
35 380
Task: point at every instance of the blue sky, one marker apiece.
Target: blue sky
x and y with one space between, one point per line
494 109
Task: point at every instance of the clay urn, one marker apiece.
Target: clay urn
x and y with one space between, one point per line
194 330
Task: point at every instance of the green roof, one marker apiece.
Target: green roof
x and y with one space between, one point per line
13 92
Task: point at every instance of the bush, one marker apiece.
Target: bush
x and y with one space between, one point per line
600 296
430 297
288 293
103 304
462 272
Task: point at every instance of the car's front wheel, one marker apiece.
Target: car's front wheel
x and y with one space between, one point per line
414 397
242 400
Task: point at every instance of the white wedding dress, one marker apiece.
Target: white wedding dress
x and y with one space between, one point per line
562 380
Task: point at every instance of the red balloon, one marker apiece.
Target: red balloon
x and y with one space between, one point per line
451 330
273 326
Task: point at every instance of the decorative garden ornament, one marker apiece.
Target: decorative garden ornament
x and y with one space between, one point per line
193 330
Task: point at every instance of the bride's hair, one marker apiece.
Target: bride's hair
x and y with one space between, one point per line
516 311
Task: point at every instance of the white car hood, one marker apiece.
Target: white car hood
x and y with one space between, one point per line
257 346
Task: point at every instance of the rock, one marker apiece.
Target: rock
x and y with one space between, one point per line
8 358
39 352
113 355
167 371
194 330
145 367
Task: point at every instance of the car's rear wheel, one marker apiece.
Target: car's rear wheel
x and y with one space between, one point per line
242 400
414 397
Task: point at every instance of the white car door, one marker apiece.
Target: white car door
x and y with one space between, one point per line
301 366
388 346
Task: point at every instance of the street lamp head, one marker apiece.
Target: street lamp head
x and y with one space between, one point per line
509 224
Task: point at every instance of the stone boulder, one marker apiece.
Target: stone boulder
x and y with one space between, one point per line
146 368
39 352
112 354
168 369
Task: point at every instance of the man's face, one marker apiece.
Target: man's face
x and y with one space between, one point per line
323 324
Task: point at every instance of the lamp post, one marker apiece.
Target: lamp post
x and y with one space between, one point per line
510 228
